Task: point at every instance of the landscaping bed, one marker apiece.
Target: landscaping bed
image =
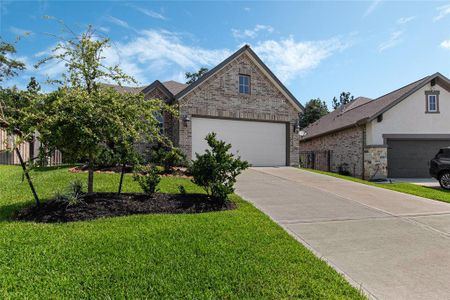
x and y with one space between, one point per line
232 254
100 205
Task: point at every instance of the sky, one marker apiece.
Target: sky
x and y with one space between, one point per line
317 49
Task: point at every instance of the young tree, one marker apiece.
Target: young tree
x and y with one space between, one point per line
193 77
82 56
314 110
344 98
16 109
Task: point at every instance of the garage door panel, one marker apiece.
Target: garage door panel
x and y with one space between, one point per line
260 143
410 158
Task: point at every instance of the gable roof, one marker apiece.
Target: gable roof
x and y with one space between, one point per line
258 61
353 114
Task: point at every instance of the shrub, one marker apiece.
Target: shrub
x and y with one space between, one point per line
167 157
343 170
217 169
148 179
182 190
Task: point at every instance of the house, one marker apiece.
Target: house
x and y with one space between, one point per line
393 136
28 150
242 101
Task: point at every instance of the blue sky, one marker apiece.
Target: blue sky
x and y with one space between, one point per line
318 49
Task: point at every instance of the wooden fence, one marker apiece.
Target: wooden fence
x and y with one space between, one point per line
29 151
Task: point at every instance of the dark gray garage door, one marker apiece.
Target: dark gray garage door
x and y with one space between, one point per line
410 158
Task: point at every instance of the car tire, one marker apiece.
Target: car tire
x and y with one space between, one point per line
444 180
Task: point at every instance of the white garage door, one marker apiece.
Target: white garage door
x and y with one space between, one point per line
259 143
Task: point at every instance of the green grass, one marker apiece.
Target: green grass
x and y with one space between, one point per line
408 188
238 254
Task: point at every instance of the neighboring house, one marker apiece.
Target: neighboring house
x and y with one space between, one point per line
393 136
28 150
243 102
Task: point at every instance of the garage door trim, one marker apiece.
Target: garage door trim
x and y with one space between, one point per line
425 136
437 141
288 127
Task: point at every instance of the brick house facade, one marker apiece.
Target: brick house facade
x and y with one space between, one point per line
216 95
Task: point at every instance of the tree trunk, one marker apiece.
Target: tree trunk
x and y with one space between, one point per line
90 177
27 176
121 178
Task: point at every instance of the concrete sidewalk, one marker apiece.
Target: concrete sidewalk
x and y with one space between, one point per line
393 245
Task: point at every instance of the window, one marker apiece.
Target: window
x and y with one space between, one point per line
244 84
160 118
432 104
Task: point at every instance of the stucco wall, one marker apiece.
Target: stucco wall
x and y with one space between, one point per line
219 97
409 117
346 147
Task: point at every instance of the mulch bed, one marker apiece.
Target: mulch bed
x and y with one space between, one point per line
100 205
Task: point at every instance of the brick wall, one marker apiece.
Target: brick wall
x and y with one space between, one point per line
346 147
170 124
219 97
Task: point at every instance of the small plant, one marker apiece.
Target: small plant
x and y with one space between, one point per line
343 170
182 190
217 169
148 178
73 195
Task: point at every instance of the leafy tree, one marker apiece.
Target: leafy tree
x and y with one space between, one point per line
84 118
314 110
216 170
16 111
193 77
344 98
8 66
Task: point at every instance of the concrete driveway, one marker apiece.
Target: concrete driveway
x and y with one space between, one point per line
392 245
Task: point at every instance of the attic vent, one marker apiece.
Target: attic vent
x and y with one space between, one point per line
380 118
433 82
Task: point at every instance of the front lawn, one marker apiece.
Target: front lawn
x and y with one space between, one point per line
230 254
408 188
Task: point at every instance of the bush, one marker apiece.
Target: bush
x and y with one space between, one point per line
167 157
217 169
148 179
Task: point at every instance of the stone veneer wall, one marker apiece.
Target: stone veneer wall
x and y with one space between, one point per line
346 147
219 97
375 161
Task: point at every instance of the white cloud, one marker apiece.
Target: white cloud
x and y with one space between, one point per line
251 33
289 58
156 51
118 22
20 31
394 39
247 8
149 13
371 7
443 11
405 20
446 44
164 55
104 29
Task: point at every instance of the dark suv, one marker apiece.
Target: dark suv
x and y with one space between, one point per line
440 167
